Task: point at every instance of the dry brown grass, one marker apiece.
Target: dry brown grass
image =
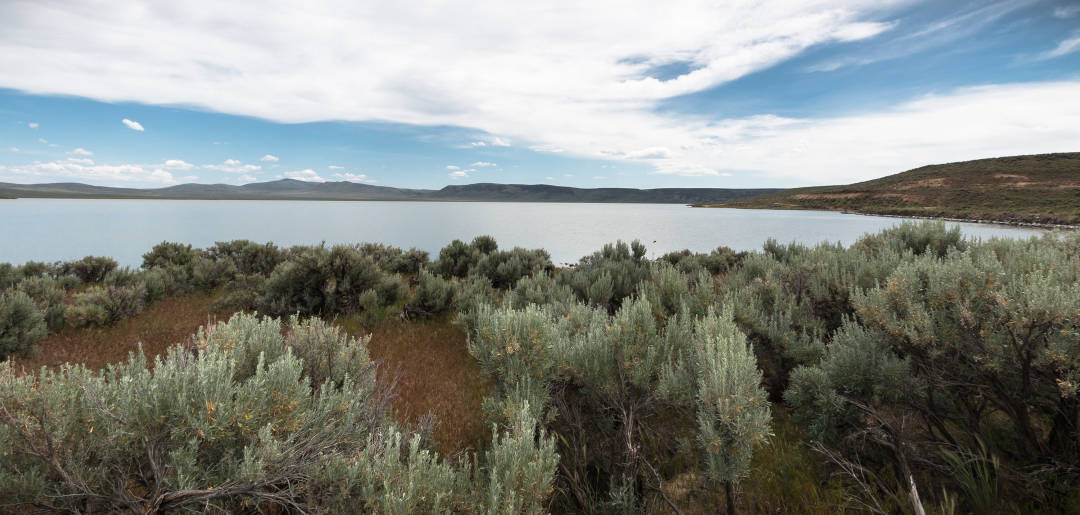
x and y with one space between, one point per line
428 359
435 374
164 323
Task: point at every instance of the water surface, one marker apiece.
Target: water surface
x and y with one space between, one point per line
62 229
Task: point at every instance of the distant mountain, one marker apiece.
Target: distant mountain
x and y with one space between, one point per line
1038 189
288 189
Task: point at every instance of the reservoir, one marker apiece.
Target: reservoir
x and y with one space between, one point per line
63 229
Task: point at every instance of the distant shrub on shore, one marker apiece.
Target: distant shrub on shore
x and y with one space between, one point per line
170 254
482 257
322 281
249 257
89 269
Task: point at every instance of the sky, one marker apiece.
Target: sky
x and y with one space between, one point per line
632 93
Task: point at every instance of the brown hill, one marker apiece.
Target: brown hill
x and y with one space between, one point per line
1038 189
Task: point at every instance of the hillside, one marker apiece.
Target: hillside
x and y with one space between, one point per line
288 189
1038 189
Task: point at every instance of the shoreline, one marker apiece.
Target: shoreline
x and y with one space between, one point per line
1031 225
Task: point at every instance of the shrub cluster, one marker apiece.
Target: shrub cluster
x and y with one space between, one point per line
925 368
664 380
482 257
246 419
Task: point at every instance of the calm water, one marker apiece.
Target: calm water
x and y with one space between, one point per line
61 229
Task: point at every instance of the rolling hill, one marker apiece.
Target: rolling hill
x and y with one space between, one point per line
1037 189
288 189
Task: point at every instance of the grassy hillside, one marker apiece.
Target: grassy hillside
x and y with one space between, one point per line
1040 189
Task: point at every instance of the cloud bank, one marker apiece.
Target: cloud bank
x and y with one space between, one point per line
559 77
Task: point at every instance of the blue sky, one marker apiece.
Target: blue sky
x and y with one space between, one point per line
779 94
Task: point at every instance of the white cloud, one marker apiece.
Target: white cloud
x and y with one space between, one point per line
81 170
81 152
1067 46
335 167
233 166
352 177
14 149
33 125
80 160
482 164
458 174
133 125
269 158
453 167
550 178
650 153
178 164
582 62
1064 12
555 61
43 141
493 141
969 123
938 33
307 175
245 178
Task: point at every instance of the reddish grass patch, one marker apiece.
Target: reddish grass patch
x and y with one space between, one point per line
434 371
162 324
435 374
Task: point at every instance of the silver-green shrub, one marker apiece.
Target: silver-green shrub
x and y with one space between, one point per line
49 295
322 281
21 323
188 434
608 387
433 294
608 276
248 257
208 274
170 254
107 305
